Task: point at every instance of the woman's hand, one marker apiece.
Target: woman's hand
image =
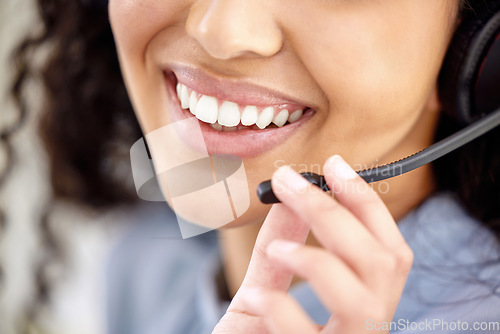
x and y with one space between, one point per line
358 273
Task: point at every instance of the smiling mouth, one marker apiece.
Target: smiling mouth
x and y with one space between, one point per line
226 115
235 118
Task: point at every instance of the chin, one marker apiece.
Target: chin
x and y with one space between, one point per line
207 212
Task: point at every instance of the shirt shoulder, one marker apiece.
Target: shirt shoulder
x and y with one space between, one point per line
152 274
456 270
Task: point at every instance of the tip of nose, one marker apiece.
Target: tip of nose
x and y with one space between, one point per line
228 35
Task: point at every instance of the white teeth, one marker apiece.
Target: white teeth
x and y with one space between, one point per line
265 118
281 118
207 109
294 117
184 97
193 102
178 89
229 114
249 115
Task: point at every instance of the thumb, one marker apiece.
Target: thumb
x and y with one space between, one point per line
281 223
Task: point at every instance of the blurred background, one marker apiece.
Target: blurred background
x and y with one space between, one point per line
77 302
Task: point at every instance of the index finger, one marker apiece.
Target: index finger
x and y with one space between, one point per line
358 197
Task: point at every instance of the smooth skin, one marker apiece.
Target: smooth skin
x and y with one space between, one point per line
369 70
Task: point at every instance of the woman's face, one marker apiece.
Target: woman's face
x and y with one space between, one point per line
363 73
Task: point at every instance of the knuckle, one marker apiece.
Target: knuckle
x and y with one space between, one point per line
253 275
404 257
260 250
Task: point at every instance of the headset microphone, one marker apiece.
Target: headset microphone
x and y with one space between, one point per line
471 90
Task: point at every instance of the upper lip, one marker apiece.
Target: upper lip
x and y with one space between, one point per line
234 90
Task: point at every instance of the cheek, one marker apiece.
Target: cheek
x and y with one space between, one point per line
136 22
376 60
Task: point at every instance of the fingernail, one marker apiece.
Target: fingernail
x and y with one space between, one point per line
289 179
340 168
282 246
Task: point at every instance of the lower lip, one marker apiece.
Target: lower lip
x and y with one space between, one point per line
244 143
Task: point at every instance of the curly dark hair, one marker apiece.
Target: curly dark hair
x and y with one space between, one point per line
86 117
87 123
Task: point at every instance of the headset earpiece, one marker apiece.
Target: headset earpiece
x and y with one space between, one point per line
470 78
